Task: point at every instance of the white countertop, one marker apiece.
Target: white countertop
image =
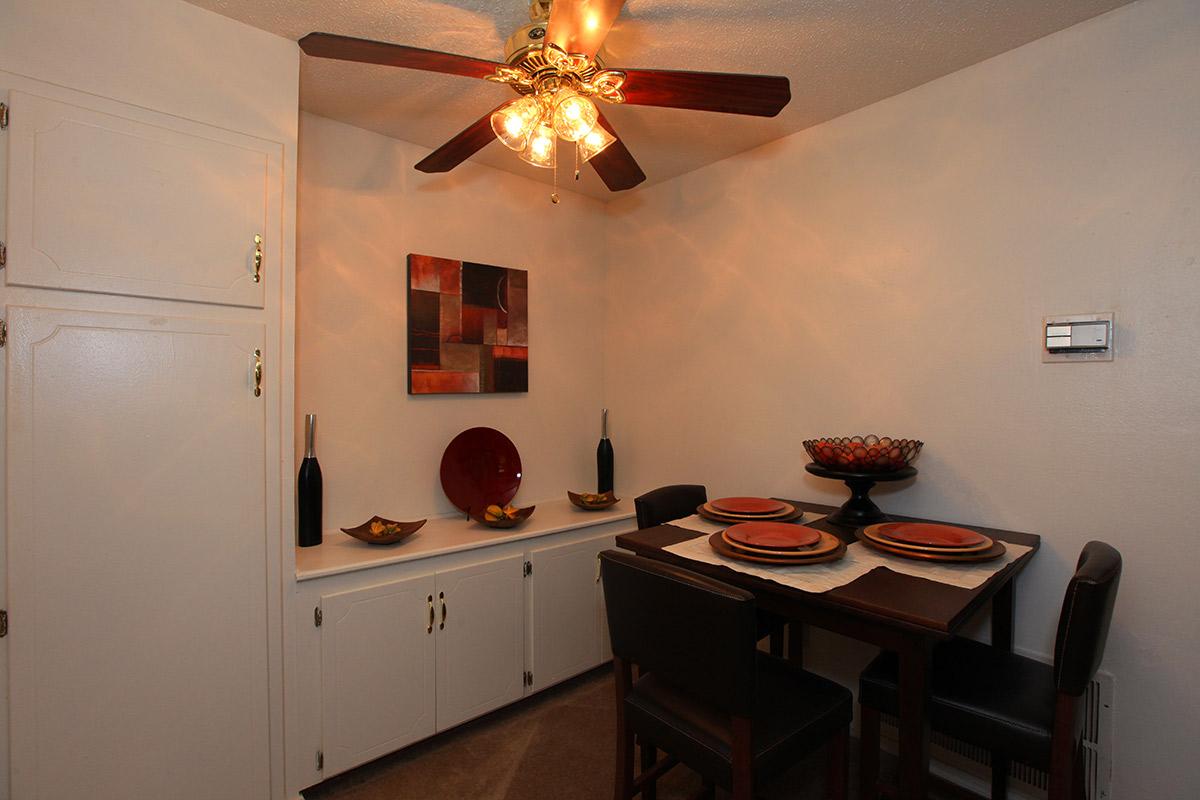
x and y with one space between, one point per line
450 534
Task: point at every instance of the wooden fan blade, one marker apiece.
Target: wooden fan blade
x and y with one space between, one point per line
615 164
347 48
470 141
580 26
756 95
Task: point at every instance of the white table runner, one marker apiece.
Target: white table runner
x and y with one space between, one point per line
858 561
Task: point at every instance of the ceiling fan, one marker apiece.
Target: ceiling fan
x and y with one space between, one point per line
553 63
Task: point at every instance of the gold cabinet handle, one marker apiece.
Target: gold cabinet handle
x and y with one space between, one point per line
258 258
597 567
429 627
258 373
442 599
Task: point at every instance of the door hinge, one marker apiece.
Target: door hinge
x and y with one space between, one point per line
3 333
3 623
320 761
3 116
528 568
318 617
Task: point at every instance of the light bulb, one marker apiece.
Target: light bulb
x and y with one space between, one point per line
592 144
574 115
542 147
513 122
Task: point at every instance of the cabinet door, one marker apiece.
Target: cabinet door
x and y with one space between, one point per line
565 610
110 198
137 558
377 671
480 639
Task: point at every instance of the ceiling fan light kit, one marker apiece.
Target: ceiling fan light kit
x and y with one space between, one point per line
553 64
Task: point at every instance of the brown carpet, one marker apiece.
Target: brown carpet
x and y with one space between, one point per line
557 745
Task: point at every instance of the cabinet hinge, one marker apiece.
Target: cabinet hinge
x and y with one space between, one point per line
3 623
529 679
528 568
318 617
320 761
3 255
3 116
3 333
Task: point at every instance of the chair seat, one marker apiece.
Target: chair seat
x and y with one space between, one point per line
996 700
795 711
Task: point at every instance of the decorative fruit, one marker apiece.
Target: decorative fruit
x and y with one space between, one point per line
381 529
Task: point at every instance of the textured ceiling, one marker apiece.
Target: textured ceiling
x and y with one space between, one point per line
839 54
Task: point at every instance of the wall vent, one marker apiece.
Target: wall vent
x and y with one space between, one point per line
970 766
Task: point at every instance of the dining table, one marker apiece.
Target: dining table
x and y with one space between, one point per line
898 612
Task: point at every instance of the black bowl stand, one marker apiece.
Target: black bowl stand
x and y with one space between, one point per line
859 511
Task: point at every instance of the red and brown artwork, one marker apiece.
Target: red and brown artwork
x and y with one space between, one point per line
468 327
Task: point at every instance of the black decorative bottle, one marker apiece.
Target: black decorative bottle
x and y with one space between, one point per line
604 458
308 489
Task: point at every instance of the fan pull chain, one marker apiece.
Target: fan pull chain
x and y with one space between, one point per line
554 196
577 146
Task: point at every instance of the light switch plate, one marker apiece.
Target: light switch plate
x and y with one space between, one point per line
1069 338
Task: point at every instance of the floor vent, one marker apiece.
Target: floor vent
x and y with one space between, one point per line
971 766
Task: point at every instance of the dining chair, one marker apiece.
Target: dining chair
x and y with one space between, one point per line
706 695
668 503
1018 708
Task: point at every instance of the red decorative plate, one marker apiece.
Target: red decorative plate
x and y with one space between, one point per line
748 505
773 535
718 543
929 535
481 467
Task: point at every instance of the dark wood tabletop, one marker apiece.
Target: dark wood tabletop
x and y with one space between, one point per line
881 595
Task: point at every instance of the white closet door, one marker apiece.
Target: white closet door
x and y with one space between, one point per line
377 679
105 197
137 558
481 644
565 607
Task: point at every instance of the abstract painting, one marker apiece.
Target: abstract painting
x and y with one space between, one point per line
468 327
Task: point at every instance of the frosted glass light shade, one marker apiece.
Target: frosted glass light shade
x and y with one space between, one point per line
513 122
595 142
574 115
542 148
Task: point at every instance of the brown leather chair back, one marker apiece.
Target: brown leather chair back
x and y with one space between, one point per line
667 503
1086 614
691 631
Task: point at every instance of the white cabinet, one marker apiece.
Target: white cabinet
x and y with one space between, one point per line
105 197
407 641
480 638
137 557
377 670
566 631
404 659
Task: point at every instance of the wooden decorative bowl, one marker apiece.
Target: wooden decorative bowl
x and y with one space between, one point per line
378 530
606 500
864 453
522 515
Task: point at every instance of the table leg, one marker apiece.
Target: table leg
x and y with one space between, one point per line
1002 618
916 660
795 643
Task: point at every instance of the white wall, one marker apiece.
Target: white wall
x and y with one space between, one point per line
888 272
363 209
